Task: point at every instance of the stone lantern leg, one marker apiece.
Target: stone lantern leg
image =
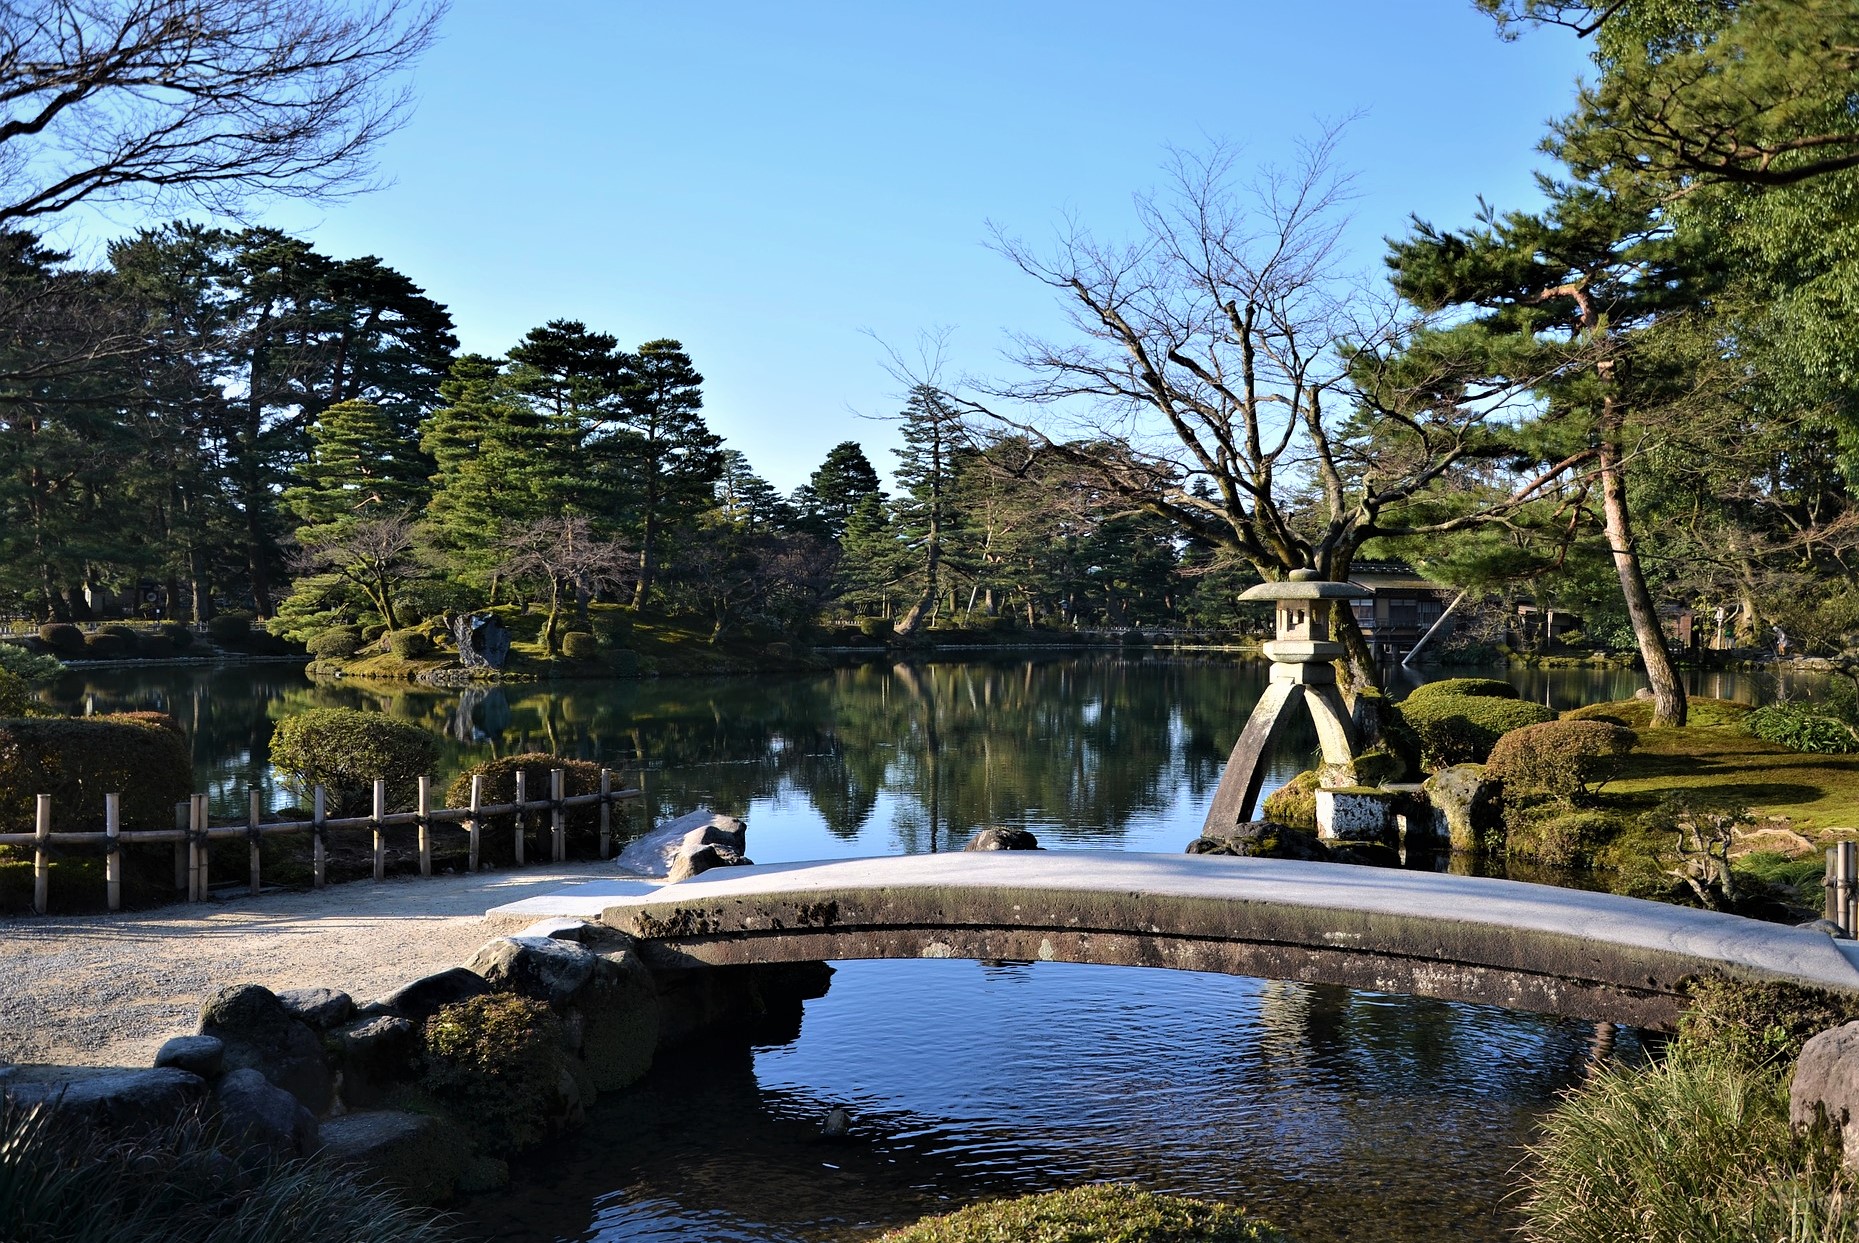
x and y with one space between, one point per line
1301 672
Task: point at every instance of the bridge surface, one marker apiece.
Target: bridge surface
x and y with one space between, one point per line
1507 943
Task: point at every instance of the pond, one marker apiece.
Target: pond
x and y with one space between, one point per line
1339 1114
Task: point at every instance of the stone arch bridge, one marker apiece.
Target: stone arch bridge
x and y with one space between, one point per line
1506 943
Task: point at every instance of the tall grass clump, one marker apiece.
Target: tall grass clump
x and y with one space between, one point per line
63 1183
1103 1213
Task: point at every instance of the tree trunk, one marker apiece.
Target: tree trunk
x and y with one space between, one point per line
555 607
1668 691
648 560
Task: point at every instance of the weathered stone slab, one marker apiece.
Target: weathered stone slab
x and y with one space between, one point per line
197 1055
107 1097
541 968
1355 815
410 1152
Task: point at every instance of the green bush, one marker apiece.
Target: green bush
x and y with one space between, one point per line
131 637
337 643
230 628
154 645
409 644
1294 804
181 636
1100 1213
63 638
372 632
103 646
1690 1147
580 645
28 666
1557 834
581 777
496 1063
1803 726
1476 688
77 760
1758 1024
344 750
15 697
613 627
1559 759
875 627
173 1184
1462 729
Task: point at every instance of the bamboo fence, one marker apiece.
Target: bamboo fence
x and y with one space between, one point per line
193 833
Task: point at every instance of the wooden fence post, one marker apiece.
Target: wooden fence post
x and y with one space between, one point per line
253 820
41 854
473 824
425 826
606 811
113 860
319 853
183 874
201 870
522 796
380 830
558 816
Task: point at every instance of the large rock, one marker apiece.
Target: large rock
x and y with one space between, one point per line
1262 839
376 1055
1002 839
619 1016
653 853
1358 814
107 1098
264 1119
325 1009
429 994
695 862
541 968
411 1152
1465 811
260 1034
1826 1085
197 1055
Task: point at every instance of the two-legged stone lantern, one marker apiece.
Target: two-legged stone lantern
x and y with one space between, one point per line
1301 671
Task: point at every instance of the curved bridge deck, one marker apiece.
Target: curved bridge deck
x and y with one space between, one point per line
1506 943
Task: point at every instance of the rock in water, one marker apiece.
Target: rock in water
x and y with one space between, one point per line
653 853
1002 839
838 1123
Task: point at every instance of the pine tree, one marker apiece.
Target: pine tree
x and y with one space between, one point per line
835 489
359 467
666 459
932 431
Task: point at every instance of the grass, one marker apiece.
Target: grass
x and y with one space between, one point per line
1103 1213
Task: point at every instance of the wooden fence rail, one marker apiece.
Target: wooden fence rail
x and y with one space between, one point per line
193 834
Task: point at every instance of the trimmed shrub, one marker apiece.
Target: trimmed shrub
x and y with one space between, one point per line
174 1184
1462 729
15 699
1559 835
583 777
344 750
372 632
181 636
497 1064
153 645
338 643
230 628
63 638
1805 727
105 646
1294 804
1476 688
1100 1213
614 627
28 666
875 627
409 644
77 760
1559 759
580 645
131 637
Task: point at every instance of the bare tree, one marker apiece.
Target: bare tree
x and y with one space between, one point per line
566 554
374 554
201 101
1226 375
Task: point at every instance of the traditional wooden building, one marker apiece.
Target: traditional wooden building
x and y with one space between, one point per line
1402 606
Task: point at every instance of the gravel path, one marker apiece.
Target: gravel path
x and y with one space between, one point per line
108 989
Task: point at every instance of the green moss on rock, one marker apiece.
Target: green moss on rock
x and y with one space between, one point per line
1295 802
1105 1213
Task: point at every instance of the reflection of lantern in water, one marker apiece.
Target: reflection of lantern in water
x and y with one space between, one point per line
1301 671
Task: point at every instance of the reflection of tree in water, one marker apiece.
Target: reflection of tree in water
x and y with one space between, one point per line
1068 745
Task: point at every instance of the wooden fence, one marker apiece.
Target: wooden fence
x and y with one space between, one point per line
193 834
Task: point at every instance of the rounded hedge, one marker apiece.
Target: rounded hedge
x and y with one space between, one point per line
105 646
181 636
344 751
1558 759
1102 1213
1462 729
230 628
77 760
1477 688
154 645
409 644
63 638
338 643
614 628
875 627
580 645
582 777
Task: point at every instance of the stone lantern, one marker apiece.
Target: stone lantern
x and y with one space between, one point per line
1301 671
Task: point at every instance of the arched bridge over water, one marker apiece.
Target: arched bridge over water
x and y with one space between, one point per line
1507 943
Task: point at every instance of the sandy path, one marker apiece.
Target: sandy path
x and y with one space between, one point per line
108 989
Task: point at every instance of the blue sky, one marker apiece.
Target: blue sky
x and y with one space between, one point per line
768 182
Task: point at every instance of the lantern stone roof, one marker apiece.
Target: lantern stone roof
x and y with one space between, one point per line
1305 585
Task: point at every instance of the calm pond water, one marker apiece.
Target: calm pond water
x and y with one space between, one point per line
1341 1115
